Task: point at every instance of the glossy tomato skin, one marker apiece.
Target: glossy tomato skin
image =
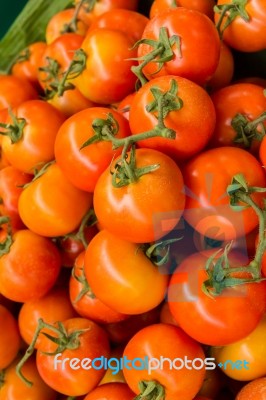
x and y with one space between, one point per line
219 320
206 177
107 77
30 268
15 91
262 152
48 205
111 391
88 305
109 261
246 36
137 212
165 341
93 343
83 167
9 337
198 56
239 98
125 105
36 146
191 135
255 390
204 6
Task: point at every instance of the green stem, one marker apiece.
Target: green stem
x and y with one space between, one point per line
150 390
229 12
72 26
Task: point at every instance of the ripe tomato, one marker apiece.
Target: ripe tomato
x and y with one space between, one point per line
241 34
124 105
83 167
91 343
9 338
246 99
218 320
115 268
224 72
13 388
195 58
165 315
32 146
111 391
52 307
262 152
191 136
204 6
14 91
47 205
206 177
30 268
163 341
147 209
84 301
107 77
255 390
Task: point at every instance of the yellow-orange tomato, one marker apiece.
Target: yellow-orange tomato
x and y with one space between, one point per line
9 338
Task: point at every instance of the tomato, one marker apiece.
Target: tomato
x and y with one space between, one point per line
9 338
47 205
207 177
32 145
111 391
113 373
164 342
245 35
193 123
124 105
84 300
13 388
147 209
204 6
214 381
92 342
14 91
255 390
83 167
217 320
11 182
195 58
52 307
262 152
27 63
107 77
129 22
251 349
30 268
246 99
165 315
62 23
224 72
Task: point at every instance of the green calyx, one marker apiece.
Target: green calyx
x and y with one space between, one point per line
150 390
8 241
15 130
104 129
247 131
159 252
228 12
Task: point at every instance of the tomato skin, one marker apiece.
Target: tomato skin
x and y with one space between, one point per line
107 77
136 212
36 146
83 167
255 390
244 98
200 45
204 6
224 72
207 176
262 152
191 136
14 388
163 340
216 321
93 343
246 36
47 205
111 391
89 306
251 348
33 262
9 338
124 105
123 261
14 91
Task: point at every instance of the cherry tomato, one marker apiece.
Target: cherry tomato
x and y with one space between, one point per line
9 338
255 390
217 320
111 391
14 91
207 177
48 205
204 6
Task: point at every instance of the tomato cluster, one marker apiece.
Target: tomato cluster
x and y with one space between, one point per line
132 187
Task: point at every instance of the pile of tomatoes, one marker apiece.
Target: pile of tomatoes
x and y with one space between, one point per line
132 187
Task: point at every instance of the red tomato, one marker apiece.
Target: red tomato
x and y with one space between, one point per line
83 167
14 91
163 341
9 338
111 391
207 177
124 106
224 72
32 145
193 123
147 209
47 205
30 268
204 6
196 57
255 390
218 320
262 152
